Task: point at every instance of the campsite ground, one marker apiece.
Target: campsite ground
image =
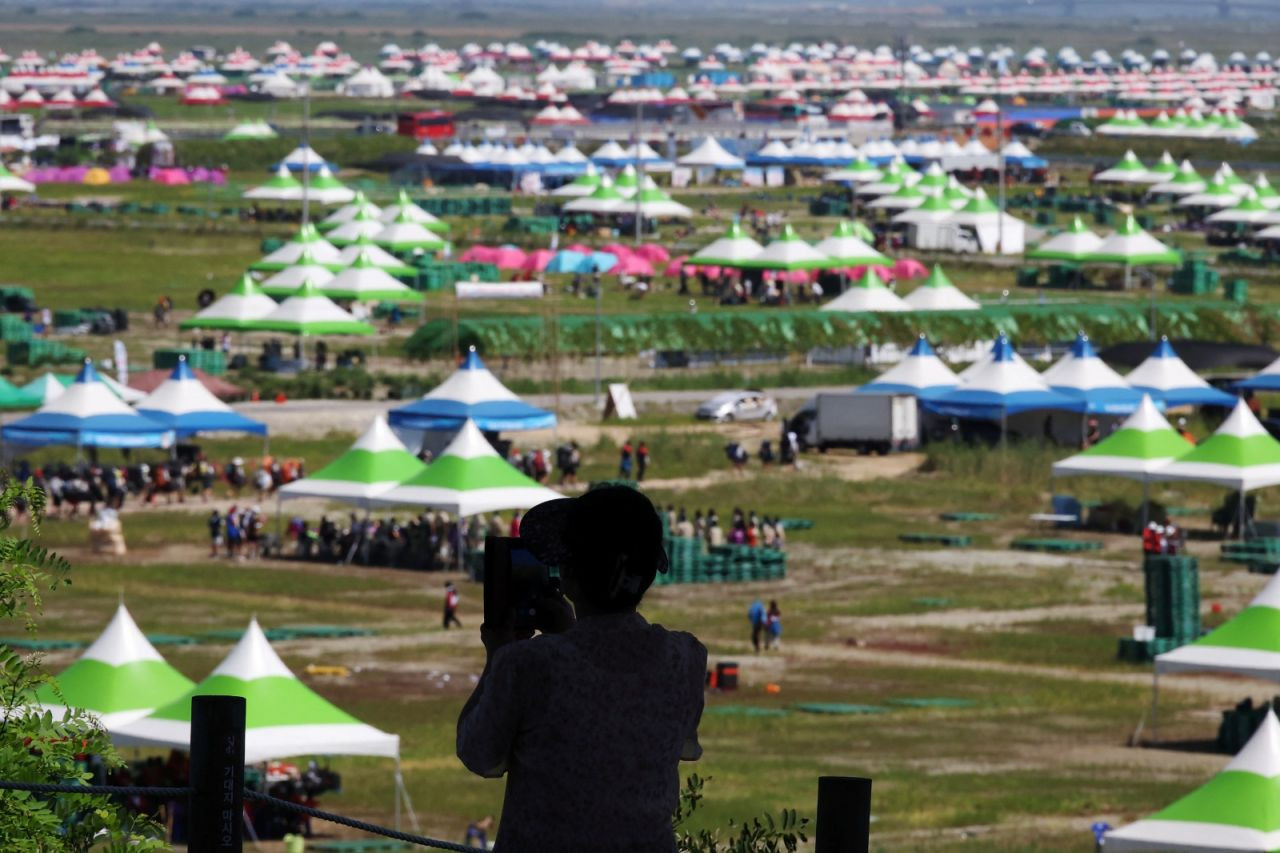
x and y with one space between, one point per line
1032 749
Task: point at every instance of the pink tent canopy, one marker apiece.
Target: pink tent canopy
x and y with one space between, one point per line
509 258
170 177
673 268
885 273
537 260
618 250
652 252
479 255
909 268
579 248
632 265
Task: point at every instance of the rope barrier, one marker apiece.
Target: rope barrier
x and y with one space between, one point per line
372 828
285 805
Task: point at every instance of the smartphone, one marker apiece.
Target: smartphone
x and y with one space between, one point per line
514 580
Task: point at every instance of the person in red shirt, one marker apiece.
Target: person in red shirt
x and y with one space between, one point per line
515 524
450 606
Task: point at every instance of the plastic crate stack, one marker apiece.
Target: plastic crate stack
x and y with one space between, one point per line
690 563
492 205
1194 277
37 351
1173 606
14 328
440 276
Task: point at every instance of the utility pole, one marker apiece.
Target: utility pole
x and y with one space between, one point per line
306 142
999 171
639 172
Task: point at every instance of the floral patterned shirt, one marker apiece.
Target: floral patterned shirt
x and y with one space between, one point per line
590 726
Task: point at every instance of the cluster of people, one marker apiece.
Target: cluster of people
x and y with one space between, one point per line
744 528
1167 538
241 532
429 541
633 461
766 624
786 453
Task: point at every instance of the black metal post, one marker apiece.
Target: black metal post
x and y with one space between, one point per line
844 815
217 774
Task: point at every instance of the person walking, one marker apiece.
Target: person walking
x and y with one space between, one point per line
757 616
773 627
624 460
215 532
642 461
450 606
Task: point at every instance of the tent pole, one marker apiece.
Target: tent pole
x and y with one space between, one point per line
404 792
396 792
1155 703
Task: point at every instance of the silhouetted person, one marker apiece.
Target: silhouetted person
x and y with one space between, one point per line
450 606
591 719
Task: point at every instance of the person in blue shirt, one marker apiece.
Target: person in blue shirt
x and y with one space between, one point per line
757 615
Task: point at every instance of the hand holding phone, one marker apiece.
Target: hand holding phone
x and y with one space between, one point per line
520 593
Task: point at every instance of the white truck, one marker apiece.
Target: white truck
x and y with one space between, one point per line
868 423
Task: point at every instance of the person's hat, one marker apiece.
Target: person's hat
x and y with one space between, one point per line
610 516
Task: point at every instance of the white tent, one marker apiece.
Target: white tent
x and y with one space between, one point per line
711 154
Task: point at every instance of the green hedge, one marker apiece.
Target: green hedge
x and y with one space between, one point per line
797 331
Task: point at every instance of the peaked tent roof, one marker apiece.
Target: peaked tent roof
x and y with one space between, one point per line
309 312
373 464
1080 373
348 211
282 186
1240 454
375 253
1144 443
120 677
469 477
13 397
243 304
308 237
472 392
1127 170
845 248
1074 244
1246 644
709 152
787 252
921 373
937 293
183 404
1238 809
1266 379
403 234
411 211
88 414
283 717
1168 379
364 280
1001 385
47 386
867 294
289 279
731 249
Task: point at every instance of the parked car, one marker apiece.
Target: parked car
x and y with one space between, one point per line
738 406
1071 128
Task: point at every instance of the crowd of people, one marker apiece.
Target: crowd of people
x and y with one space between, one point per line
744 528
428 541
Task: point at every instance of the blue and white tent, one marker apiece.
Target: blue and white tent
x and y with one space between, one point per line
1081 374
921 374
1004 385
471 392
1266 379
1168 379
88 414
183 404
304 158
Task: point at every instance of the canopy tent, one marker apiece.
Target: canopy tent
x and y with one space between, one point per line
711 154
1077 243
903 198
289 279
365 281
867 294
1144 443
247 130
48 386
364 223
283 717
242 305
860 171
1184 181
1249 210
1128 170
375 253
119 678
1246 644
282 186
846 249
1236 810
406 209
1080 373
1001 385
1164 169
11 183
787 252
937 293
13 397
469 477
604 199
376 462
309 312
307 238
583 185
149 380
1240 455
472 393
921 374
359 204
654 203
1266 379
88 414
1218 193
324 188
184 405
730 250
304 158
403 234
1168 380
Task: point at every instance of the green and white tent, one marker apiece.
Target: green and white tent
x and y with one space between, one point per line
1077 243
11 183
13 397
468 477
365 223
627 183
583 185
787 252
1143 444
1183 182
322 187
1246 644
376 463
405 235
120 678
282 186
903 198
1248 210
934 181
1264 192
412 212
309 312
1128 170
654 203
291 278
247 130
938 293
375 253
604 199
730 250
359 204
1133 247
283 717
956 193
365 281
867 294
1236 810
860 171
1164 169
1240 455
934 208
238 310
1216 194
307 238
47 387
845 248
